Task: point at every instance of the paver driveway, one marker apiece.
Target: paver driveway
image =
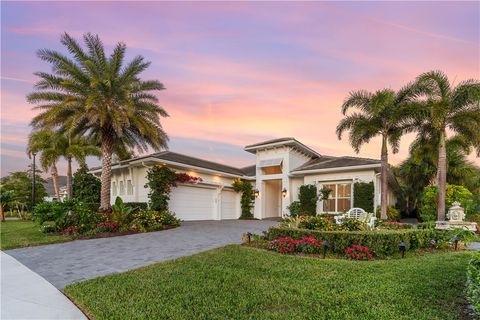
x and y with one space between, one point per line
64 263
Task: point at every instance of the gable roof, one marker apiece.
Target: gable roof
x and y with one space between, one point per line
329 162
174 157
286 141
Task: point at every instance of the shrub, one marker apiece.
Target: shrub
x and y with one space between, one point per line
247 198
317 223
392 213
428 202
473 283
47 211
381 243
150 220
294 222
137 206
426 225
363 195
393 225
308 245
48 227
358 252
76 214
295 209
308 199
86 187
351 224
107 226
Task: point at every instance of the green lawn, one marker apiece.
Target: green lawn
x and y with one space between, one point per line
236 282
18 233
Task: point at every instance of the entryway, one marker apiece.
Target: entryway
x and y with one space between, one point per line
273 198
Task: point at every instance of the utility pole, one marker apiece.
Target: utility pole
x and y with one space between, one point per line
33 179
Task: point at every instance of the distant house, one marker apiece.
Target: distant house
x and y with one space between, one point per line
281 167
62 185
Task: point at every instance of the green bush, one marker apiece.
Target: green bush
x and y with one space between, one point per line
247 199
317 223
473 283
429 198
149 220
381 243
295 209
352 224
392 213
48 211
137 206
76 214
308 199
86 187
363 195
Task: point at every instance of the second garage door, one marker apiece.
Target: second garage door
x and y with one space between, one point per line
229 205
192 203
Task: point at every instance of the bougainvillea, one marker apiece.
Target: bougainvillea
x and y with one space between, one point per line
161 180
247 199
308 245
358 252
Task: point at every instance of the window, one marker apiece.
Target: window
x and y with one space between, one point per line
272 170
129 187
340 199
122 188
114 188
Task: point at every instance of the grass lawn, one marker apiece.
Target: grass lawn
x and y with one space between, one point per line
18 233
236 282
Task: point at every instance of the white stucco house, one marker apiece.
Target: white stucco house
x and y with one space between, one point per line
281 167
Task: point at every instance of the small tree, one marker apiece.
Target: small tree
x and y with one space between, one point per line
21 185
325 192
428 209
308 199
363 196
86 187
246 200
161 180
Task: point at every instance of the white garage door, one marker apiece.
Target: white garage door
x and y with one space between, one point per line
229 205
192 203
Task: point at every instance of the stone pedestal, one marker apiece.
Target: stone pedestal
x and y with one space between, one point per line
456 217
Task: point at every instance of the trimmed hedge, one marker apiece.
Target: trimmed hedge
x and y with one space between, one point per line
363 195
381 243
473 283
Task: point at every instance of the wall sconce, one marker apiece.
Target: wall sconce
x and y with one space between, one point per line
256 193
284 192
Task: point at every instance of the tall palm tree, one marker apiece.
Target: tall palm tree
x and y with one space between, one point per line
47 142
101 98
376 114
442 107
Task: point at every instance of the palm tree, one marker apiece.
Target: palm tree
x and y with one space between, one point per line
77 148
47 143
377 114
442 107
101 98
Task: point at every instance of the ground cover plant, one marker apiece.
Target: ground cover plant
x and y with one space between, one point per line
19 233
236 282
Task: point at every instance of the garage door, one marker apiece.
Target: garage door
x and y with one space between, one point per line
229 205
192 203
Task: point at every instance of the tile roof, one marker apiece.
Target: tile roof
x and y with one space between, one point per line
328 162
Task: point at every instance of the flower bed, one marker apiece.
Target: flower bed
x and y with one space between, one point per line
381 243
358 252
308 245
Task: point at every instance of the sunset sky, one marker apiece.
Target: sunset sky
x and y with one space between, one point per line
240 73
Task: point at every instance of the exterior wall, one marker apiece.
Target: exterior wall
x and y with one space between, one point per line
344 176
291 160
138 176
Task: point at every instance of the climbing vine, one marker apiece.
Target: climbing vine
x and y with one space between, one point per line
246 201
161 180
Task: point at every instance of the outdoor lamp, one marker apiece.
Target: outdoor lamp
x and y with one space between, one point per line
456 239
284 192
402 246
325 245
249 236
256 193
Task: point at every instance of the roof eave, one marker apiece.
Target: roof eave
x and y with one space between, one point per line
301 146
336 169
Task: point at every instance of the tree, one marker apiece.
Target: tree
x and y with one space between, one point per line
86 187
101 98
20 183
5 197
77 148
377 114
442 107
48 144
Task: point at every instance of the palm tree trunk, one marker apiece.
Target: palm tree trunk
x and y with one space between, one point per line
69 177
442 176
384 182
107 151
54 173
2 216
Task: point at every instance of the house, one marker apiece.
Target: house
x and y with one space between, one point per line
282 166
